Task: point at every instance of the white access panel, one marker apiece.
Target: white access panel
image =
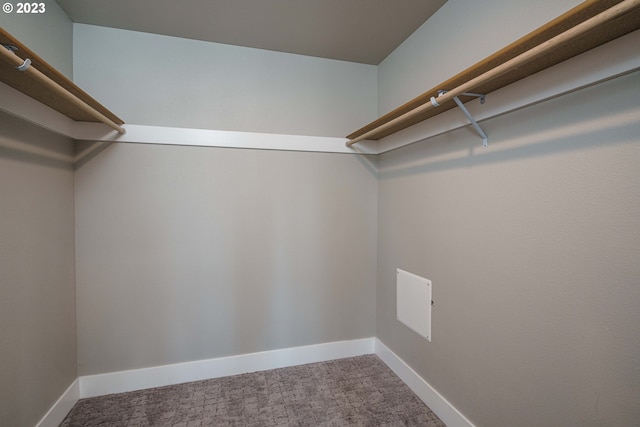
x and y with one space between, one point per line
413 296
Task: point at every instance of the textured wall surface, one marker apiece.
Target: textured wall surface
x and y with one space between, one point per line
192 253
37 297
533 247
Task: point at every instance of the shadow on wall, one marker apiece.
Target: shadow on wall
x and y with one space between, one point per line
85 151
370 163
31 144
20 141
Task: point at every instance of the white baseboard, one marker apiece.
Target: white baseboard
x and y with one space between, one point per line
118 382
438 404
61 408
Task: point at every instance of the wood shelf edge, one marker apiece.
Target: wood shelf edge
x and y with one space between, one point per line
578 14
25 85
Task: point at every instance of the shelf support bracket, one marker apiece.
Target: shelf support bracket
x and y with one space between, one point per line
483 135
25 64
10 47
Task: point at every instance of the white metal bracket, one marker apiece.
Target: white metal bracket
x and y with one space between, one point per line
25 64
10 47
466 112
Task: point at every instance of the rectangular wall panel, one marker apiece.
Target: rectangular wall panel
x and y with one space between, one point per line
414 302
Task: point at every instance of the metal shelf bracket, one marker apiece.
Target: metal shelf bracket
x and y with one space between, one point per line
25 64
466 112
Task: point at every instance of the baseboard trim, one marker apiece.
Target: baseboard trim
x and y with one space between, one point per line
61 408
430 396
137 379
158 376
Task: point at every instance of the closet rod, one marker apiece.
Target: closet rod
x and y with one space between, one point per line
23 66
531 54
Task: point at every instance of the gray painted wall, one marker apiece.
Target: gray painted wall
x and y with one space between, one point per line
264 237
168 81
190 253
533 247
37 297
49 34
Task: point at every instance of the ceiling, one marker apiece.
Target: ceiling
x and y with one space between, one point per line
363 31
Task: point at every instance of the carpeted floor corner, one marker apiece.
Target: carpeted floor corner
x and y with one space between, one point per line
358 391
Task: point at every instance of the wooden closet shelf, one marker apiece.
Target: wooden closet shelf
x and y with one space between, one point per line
600 35
44 94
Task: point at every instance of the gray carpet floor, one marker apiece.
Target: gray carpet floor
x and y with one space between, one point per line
358 391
